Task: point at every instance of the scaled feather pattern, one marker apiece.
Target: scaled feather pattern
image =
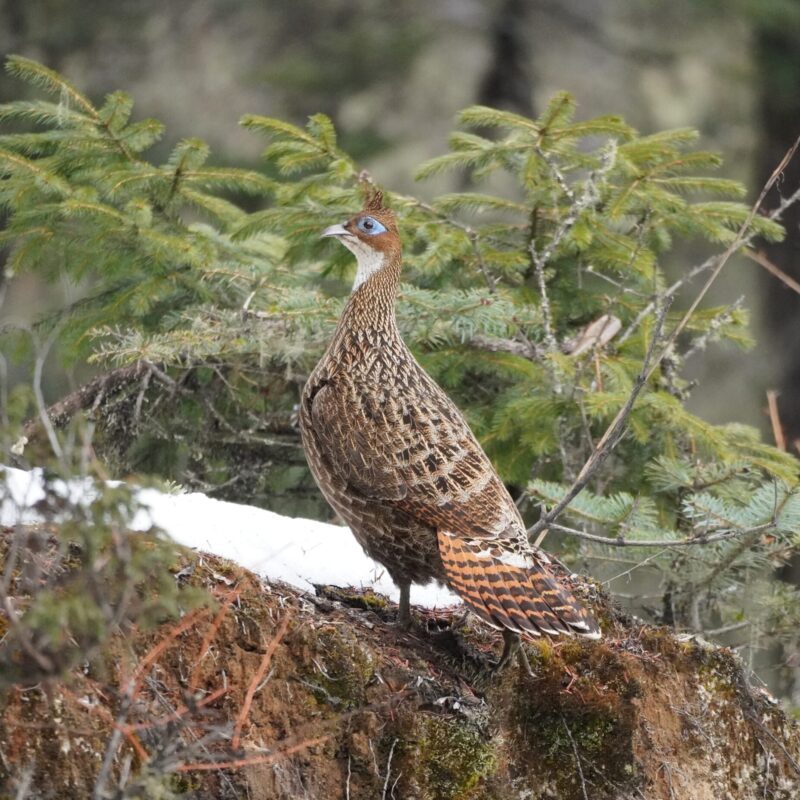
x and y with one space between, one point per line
397 461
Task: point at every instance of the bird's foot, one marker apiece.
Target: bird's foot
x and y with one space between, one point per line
512 646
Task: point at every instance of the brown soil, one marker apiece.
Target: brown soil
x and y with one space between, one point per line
332 702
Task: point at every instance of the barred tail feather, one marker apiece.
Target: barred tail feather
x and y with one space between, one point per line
528 601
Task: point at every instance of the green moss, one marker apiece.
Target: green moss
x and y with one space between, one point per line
453 759
342 669
374 601
578 704
355 598
589 732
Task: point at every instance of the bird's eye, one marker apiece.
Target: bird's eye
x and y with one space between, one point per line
371 226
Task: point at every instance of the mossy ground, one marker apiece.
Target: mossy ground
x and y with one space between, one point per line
397 716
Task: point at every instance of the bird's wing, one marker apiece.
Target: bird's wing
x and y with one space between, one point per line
355 444
424 460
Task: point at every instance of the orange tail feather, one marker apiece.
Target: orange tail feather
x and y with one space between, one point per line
529 601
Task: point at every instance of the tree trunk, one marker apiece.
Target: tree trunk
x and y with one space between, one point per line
779 73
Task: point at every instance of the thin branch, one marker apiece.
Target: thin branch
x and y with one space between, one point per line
615 430
577 758
103 776
775 420
762 260
666 295
254 683
608 441
710 263
42 351
742 237
23 637
735 626
388 769
471 235
689 541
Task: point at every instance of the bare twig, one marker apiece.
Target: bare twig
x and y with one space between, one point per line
104 774
42 351
761 259
577 758
471 235
254 683
608 441
45 662
713 261
668 294
744 234
388 769
775 420
615 430
689 541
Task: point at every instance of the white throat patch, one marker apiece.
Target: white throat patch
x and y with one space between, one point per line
369 261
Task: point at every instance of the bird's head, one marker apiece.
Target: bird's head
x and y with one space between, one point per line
371 235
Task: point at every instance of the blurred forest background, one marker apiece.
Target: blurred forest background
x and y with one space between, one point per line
393 75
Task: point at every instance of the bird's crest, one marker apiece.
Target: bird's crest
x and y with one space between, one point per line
373 200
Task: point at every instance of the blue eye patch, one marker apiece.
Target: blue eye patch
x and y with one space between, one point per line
370 226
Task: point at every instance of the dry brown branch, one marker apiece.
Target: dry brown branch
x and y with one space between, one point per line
259 674
651 362
775 420
192 618
210 634
761 259
265 758
608 441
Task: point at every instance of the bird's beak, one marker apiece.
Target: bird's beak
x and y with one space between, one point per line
335 230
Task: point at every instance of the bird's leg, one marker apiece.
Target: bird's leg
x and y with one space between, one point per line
511 643
512 646
404 606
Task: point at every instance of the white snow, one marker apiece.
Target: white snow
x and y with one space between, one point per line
301 552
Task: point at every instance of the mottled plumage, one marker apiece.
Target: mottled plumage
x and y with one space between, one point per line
396 459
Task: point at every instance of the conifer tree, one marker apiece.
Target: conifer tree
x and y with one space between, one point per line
539 300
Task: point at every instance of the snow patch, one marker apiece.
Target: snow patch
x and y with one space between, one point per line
299 551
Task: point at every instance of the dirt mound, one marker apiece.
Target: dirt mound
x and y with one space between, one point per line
277 694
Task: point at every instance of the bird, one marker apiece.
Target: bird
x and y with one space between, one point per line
397 461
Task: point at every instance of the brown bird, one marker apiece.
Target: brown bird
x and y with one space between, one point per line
396 459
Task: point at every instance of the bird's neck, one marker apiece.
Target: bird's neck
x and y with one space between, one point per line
372 303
